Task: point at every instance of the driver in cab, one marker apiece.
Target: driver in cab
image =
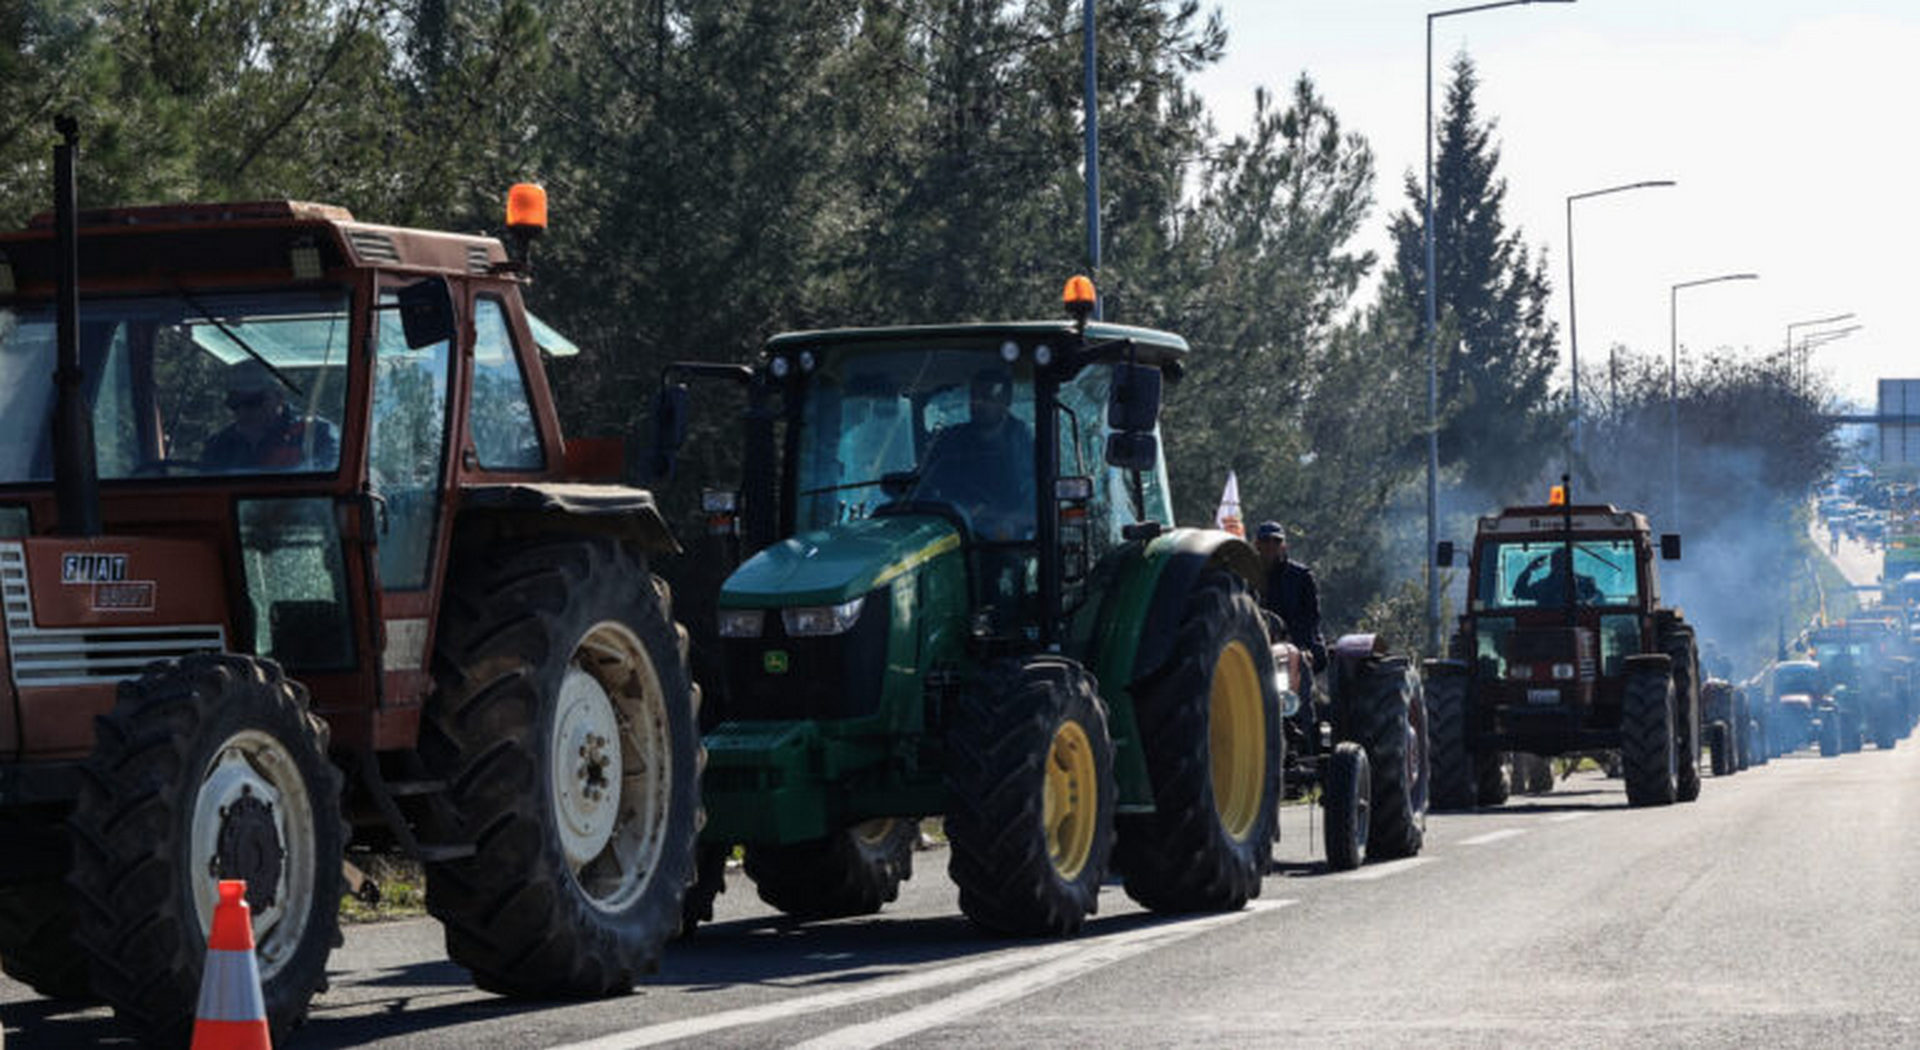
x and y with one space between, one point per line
1549 589
985 465
265 434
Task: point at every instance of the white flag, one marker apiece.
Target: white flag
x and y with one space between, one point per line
1228 516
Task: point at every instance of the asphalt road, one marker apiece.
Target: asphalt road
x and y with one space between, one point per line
1777 910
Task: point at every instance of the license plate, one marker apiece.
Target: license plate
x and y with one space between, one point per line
1543 696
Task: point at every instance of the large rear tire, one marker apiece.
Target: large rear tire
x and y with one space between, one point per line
208 768
1452 764
1649 756
1030 774
1347 797
563 723
36 941
1491 787
1718 735
1211 728
709 882
1830 733
854 871
1387 712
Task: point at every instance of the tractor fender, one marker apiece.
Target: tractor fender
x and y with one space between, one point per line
1140 615
489 512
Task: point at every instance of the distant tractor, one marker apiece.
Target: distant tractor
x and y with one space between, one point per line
1794 696
1565 647
1866 683
295 555
1733 733
981 612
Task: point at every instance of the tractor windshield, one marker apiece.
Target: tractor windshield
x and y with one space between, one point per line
183 384
952 426
1525 574
1789 679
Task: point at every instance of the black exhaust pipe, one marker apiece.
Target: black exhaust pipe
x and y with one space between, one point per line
76 482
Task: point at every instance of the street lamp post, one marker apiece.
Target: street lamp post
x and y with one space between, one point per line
1673 383
1433 368
1811 323
1091 106
1813 341
1573 323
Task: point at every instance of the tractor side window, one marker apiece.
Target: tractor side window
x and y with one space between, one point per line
296 583
406 447
500 416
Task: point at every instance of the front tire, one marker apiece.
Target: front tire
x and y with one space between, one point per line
854 871
36 941
563 723
1649 757
1386 698
1452 764
1031 779
1348 798
1717 736
1211 728
211 766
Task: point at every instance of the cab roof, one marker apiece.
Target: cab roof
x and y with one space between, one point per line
158 241
1587 517
1156 347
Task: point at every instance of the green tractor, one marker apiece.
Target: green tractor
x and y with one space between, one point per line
980 613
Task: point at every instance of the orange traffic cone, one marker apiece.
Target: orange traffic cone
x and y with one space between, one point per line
232 1014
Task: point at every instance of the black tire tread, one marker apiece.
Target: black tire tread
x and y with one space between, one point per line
837 876
1181 858
1452 764
1646 737
512 914
998 737
135 916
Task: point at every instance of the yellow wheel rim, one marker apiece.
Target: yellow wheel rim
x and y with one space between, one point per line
1072 800
1237 740
872 833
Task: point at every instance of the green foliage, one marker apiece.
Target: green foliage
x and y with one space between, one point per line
723 171
1497 350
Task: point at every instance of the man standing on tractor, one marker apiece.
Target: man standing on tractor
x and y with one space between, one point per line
1291 593
265 435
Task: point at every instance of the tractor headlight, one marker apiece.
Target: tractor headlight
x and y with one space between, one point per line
741 623
1563 671
813 620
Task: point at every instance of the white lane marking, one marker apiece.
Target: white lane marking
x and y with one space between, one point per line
1562 818
1493 836
1381 871
905 984
1020 985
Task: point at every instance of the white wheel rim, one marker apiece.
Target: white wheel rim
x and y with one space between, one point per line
253 764
611 767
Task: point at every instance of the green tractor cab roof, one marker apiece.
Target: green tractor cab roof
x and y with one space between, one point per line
1156 347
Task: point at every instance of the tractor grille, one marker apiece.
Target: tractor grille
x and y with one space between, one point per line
775 678
84 655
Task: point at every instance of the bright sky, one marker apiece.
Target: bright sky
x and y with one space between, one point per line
1789 128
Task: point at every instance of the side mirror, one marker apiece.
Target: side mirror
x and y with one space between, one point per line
1443 554
426 312
1133 450
669 427
1134 404
1669 546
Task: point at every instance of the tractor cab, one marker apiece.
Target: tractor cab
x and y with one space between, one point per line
1560 598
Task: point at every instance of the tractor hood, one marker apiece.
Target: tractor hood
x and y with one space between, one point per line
838 564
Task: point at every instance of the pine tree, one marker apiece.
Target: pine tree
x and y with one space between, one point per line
1497 348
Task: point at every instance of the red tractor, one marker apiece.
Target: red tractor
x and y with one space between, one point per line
1565 647
295 555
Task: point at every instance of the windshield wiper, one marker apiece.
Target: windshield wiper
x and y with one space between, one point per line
187 297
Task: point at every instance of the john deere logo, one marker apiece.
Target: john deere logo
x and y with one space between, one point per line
775 661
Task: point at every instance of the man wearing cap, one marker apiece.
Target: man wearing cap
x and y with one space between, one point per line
265 435
1291 592
984 465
